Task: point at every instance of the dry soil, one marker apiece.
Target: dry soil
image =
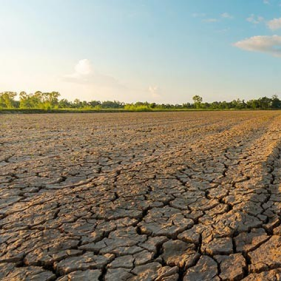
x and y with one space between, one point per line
140 196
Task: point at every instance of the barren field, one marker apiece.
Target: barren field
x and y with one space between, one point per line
140 196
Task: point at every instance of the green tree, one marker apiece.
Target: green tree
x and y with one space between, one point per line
77 103
7 99
253 104
276 103
64 103
197 101
95 103
31 100
264 102
50 99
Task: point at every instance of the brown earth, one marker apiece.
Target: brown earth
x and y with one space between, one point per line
140 196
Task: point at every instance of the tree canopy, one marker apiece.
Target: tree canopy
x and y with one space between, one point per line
51 100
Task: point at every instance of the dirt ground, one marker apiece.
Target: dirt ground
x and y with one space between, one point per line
140 196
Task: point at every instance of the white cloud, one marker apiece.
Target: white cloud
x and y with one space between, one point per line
227 16
255 19
266 2
84 73
86 83
222 17
83 67
154 92
274 24
264 44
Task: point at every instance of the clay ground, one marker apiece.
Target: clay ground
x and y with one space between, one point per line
140 196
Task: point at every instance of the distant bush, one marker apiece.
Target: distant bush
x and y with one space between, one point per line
49 101
132 107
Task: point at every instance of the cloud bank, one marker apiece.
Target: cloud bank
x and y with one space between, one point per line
265 44
255 19
221 17
92 85
84 73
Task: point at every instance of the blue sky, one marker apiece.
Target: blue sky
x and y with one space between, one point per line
131 50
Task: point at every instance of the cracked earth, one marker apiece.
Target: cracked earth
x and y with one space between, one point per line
141 196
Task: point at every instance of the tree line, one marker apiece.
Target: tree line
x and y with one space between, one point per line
52 101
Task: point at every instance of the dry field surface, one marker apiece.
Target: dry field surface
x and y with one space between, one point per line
140 196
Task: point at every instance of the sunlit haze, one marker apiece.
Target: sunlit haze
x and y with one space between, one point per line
151 50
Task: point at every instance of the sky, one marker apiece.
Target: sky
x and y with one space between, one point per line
163 51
